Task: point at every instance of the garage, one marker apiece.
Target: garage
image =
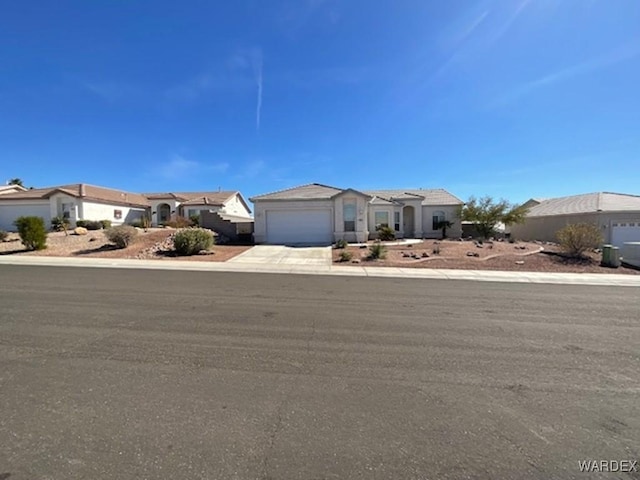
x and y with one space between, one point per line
622 232
299 226
9 213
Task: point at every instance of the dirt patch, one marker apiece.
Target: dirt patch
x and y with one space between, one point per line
154 244
467 255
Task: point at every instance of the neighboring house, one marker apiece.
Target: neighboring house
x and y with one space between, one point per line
164 206
321 214
75 202
4 189
617 216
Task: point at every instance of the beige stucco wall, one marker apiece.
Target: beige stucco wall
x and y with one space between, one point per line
235 206
361 232
546 228
450 214
105 211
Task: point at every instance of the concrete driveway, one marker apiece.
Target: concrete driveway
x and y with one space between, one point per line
277 254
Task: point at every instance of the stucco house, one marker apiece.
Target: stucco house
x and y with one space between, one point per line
321 214
166 205
77 201
616 214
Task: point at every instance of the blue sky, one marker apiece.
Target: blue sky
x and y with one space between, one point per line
511 98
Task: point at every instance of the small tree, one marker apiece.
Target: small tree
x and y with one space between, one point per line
32 232
16 181
486 213
443 225
577 238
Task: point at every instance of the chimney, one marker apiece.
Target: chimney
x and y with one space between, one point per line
83 190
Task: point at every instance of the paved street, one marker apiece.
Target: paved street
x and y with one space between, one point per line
142 374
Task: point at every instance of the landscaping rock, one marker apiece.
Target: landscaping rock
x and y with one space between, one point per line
520 262
425 255
479 246
355 260
405 255
473 254
93 239
80 231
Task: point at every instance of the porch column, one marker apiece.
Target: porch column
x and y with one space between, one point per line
417 223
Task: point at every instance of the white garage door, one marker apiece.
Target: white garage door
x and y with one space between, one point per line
625 232
299 226
8 214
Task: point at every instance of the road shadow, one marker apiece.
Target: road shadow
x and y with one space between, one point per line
13 252
88 251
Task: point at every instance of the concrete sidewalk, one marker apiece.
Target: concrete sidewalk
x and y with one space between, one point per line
359 271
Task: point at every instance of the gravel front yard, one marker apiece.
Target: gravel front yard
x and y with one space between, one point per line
466 255
154 244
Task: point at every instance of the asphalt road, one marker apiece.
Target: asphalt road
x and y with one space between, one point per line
125 374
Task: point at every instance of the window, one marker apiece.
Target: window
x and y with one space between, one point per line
117 214
438 217
396 221
381 219
194 213
349 214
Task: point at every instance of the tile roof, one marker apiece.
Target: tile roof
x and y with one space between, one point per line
217 198
436 196
82 190
312 191
317 191
6 189
586 203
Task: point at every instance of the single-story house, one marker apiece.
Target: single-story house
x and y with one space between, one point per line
4 189
78 201
616 214
164 206
321 214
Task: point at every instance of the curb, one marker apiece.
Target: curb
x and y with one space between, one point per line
598 279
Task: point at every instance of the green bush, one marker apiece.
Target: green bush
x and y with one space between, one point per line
577 238
3 236
121 236
377 251
93 225
105 224
195 220
32 232
385 233
59 224
341 243
190 241
345 256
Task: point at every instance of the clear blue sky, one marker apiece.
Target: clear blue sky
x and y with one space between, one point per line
511 98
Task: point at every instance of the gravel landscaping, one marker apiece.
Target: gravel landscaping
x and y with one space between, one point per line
469 255
154 244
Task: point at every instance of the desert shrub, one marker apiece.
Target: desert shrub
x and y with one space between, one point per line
190 241
79 223
91 225
345 256
178 222
32 232
121 236
341 243
385 233
436 250
3 236
105 224
377 251
577 238
195 220
59 224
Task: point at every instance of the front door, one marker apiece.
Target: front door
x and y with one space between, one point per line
408 219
